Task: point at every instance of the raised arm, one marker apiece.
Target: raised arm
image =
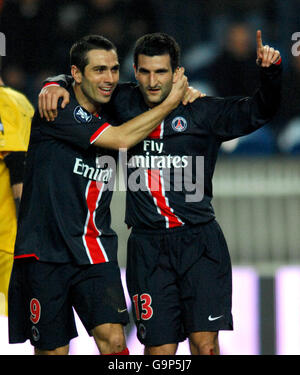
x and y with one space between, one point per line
236 116
266 55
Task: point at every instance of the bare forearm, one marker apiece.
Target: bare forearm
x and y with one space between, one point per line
132 132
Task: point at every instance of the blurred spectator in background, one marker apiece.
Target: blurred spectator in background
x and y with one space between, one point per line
15 76
187 21
233 71
15 120
71 16
39 32
257 13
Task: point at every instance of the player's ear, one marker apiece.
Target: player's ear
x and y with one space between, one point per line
76 74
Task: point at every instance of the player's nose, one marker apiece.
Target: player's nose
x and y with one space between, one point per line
109 77
152 80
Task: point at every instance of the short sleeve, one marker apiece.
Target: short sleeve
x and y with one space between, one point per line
77 127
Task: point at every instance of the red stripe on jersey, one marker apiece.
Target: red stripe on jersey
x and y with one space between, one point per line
279 61
97 133
26 256
157 133
91 240
155 185
51 84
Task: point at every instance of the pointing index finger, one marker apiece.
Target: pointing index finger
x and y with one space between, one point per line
259 39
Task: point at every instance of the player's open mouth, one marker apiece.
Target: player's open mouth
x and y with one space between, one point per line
153 90
106 91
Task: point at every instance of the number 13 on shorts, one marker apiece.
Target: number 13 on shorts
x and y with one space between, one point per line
146 312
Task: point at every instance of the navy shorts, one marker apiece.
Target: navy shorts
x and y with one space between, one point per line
179 281
42 297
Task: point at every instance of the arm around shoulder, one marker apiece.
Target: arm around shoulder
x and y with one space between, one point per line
133 131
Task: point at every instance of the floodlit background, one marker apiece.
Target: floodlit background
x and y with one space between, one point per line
257 178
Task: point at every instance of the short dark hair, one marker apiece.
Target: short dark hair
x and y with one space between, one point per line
80 49
157 44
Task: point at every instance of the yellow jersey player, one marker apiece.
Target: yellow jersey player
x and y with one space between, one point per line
15 121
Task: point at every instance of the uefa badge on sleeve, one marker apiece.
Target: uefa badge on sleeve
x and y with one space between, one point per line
179 124
81 115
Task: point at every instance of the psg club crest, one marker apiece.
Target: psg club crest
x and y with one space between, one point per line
81 115
179 124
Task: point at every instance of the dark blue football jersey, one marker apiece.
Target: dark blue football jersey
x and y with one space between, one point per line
169 174
65 208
